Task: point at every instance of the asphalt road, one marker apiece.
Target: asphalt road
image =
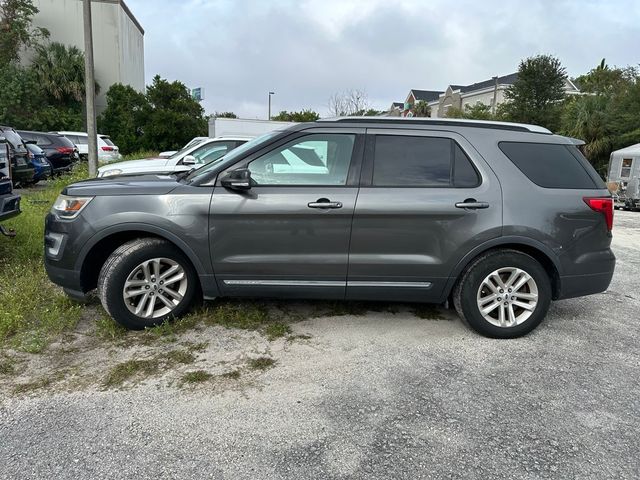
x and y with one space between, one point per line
377 396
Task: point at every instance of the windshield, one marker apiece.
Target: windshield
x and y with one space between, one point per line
188 146
232 155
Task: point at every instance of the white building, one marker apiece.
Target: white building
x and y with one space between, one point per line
488 92
118 39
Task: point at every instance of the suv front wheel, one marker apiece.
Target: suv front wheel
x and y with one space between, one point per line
503 294
146 281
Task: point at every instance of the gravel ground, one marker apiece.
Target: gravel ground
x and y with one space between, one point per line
377 396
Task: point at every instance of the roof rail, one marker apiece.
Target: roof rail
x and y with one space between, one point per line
455 122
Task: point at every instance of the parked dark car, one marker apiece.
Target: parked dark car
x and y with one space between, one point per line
60 151
41 165
22 172
498 218
9 202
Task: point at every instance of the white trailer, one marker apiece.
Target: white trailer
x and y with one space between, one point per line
219 127
623 176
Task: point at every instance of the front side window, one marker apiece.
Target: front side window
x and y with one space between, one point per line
317 159
419 161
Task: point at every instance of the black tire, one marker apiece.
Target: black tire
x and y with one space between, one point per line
466 291
122 262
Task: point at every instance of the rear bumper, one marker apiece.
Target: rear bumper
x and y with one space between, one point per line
9 206
572 286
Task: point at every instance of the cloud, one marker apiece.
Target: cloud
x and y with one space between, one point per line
305 50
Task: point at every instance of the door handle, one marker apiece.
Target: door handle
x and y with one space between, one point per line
472 204
324 203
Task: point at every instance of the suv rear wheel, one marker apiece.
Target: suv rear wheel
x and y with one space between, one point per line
146 281
503 294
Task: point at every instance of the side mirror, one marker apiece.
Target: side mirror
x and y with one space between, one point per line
189 160
237 179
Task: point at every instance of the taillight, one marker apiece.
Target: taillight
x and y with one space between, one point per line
107 149
65 150
602 205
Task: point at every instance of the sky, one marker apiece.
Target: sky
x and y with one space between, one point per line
307 50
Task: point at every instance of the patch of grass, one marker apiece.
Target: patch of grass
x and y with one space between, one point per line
339 309
233 375
139 155
107 328
197 376
245 315
22 388
195 347
7 365
427 312
170 328
180 356
33 309
276 330
261 363
131 368
300 336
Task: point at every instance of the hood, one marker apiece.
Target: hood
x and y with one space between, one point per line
123 185
147 164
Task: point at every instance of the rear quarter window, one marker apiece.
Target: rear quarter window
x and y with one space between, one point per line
551 165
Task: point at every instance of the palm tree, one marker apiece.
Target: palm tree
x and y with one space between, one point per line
60 71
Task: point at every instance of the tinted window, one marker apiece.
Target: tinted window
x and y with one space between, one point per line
60 140
464 174
320 159
412 161
551 165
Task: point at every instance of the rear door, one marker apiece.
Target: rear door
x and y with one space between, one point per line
289 234
426 199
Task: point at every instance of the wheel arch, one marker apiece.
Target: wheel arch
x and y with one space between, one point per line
542 253
96 251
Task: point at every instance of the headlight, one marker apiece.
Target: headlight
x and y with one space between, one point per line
70 207
111 172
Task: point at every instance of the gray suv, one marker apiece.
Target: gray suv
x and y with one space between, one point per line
499 218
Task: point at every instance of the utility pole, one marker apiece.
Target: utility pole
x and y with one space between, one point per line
90 89
270 93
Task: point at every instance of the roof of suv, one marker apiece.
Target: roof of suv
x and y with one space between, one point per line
521 127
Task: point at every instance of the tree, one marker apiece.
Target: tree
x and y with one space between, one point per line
174 117
301 116
224 115
125 117
16 31
536 96
603 80
479 111
60 71
421 109
348 103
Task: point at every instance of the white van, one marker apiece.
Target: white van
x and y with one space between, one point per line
107 150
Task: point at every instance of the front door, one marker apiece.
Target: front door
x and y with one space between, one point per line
427 198
289 234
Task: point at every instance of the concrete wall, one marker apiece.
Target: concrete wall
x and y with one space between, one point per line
118 42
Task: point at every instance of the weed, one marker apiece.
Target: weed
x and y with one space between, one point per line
32 386
7 366
236 314
261 363
233 375
276 330
300 336
109 329
197 376
180 356
339 309
126 370
195 347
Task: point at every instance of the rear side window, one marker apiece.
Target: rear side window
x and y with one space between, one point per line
108 141
552 165
64 141
412 161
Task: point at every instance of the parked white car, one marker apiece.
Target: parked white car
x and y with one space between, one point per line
107 150
184 160
192 143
